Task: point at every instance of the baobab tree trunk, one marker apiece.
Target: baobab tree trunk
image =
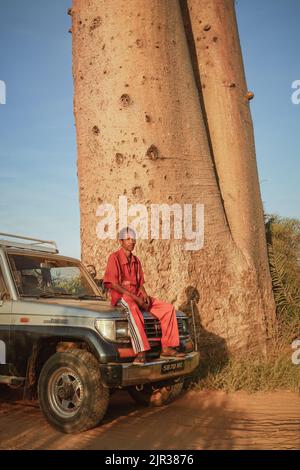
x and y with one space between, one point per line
141 133
214 45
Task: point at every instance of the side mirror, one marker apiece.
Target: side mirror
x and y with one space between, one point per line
91 270
102 288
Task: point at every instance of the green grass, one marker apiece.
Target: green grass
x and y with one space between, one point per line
252 375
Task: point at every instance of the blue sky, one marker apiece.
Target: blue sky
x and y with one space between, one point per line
38 182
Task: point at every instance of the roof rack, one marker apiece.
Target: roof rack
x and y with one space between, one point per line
48 246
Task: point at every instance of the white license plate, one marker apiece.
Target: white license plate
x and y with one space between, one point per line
173 366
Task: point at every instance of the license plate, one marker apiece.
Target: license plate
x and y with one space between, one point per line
173 366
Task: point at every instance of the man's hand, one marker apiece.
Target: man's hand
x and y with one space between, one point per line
147 299
141 303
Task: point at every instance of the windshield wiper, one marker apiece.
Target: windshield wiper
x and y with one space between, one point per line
60 294
89 296
37 296
48 295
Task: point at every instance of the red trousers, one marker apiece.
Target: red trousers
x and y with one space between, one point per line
163 311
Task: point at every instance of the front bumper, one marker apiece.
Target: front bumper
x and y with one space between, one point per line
125 374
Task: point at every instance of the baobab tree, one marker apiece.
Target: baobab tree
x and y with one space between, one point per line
162 116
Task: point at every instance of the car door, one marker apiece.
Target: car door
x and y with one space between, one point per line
5 323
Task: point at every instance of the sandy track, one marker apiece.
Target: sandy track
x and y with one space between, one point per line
197 420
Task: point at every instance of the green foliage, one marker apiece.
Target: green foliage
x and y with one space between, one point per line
285 286
283 236
253 373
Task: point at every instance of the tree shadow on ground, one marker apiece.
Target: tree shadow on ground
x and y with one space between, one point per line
196 420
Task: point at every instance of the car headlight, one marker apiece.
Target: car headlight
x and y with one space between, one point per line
107 328
114 330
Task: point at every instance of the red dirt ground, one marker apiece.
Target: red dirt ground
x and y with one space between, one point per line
196 420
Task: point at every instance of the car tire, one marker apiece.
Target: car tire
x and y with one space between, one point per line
71 394
151 395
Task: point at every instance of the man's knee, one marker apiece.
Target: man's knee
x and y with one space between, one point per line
168 306
128 299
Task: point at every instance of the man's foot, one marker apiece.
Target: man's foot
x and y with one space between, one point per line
171 352
140 359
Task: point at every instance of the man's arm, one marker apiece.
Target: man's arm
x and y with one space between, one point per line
142 289
141 303
146 297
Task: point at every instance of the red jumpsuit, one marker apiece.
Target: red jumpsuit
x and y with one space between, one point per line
130 276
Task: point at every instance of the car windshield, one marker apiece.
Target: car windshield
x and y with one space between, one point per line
40 276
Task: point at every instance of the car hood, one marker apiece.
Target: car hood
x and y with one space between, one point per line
72 307
69 307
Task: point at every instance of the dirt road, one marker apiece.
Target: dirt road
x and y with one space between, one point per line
197 420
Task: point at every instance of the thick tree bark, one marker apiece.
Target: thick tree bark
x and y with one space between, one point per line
216 55
141 133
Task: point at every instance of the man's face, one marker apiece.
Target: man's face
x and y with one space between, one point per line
128 243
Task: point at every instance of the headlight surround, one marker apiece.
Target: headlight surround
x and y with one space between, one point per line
183 325
122 331
113 330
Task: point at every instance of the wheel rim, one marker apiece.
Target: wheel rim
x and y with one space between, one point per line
65 392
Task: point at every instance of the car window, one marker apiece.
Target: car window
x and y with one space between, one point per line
39 275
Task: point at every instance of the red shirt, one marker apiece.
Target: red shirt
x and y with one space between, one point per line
127 274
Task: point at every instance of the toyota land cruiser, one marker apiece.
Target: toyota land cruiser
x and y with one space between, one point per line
65 344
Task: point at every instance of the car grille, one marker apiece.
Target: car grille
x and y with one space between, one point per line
153 327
